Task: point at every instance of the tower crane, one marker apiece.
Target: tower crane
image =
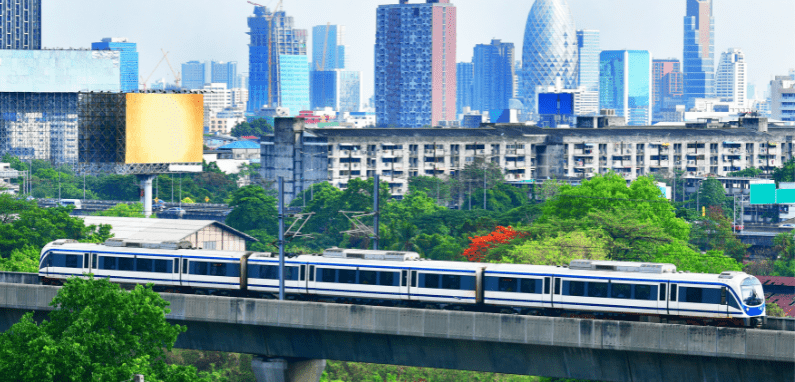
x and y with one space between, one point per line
144 81
176 74
325 49
270 47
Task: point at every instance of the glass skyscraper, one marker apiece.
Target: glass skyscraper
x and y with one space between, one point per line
20 24
193 75
588 49
129 60
337 89
294 82
549 54
699 51
625 84
731 78
492 86
225 73
328 39
465 73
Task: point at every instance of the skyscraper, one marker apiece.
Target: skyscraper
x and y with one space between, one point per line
224 72
731 80
129 60
625 84
193 75
666 82
415 68
328 47
588 50
549 54
20 25
337 89
699 51
493 81
465 73
272 37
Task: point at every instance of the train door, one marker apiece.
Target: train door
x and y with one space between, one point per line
86 263
302 277
404 284
183 272
662 300
547 296
673 299
556 295
724 304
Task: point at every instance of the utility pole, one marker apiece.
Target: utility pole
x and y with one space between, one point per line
281 238
376 197
484 183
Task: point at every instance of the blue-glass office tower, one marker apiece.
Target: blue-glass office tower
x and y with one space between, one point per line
193 75
20 24
337 89
328 47
492 85
698 64
625 84
549 54
465 74
129 60
294 82
272 37
225 73
588 48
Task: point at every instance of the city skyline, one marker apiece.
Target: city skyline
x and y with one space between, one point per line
212 32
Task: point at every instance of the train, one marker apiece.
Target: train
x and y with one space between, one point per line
650 292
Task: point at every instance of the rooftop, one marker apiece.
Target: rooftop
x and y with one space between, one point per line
244 144
157 230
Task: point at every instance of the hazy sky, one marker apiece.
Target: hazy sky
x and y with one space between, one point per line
216 29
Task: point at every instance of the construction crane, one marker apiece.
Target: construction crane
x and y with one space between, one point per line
176 74
325 48
144 81
270 46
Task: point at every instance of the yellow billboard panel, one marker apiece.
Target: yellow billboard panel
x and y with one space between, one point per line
164 128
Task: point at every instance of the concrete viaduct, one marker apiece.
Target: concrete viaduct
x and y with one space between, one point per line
291 337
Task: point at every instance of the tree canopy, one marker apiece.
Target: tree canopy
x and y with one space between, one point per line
96 332
257 128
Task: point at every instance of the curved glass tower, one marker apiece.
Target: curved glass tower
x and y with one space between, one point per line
549 55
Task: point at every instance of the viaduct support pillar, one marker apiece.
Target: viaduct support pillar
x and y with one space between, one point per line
146 195
283 370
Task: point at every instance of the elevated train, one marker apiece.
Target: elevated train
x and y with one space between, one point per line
655 292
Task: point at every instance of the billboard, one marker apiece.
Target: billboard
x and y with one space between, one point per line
556 103
763 192
164 128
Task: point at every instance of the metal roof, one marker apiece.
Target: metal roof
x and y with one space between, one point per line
157 229
246 144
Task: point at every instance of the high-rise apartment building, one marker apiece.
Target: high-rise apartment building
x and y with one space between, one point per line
193 75
666 81
625 84
699 51
493 81
272 37
328 47
782 98
549 54
337 89
415 68
465 74
20 24
588 50
129 60
224 72
731 80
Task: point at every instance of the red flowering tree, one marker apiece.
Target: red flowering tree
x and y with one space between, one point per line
480 245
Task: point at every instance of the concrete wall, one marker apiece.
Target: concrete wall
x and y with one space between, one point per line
555 347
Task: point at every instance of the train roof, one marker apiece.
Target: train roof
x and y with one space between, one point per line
72 245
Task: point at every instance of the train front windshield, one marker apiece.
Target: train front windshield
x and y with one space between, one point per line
753 295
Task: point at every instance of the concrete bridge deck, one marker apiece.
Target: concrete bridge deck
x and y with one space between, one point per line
525 345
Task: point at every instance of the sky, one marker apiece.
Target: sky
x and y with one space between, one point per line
216 29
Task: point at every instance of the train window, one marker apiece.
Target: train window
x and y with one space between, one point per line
217 269
290 273
94 261
303 272
72 261
184 265
327 275
506 284
85 260
467 282
126 263
645 292
557 286
732 301
45 261
546 285
429 280
574 288
267 272
597 289
699 295
108 263
387 278
311 273
143 265
673 292
368 277
198 268
347 276
620 290
530 285
451 282
662 292
162 266
413 279
710 296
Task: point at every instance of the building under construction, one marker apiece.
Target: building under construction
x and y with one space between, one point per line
272 36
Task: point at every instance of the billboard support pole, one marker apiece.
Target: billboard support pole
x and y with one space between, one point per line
146 199
376 212
281 238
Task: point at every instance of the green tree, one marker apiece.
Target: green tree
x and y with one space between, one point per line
25 259
258 128
96 332
557 250
134 210
785 173
435 188
749 172
252 210
548 189
711 193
